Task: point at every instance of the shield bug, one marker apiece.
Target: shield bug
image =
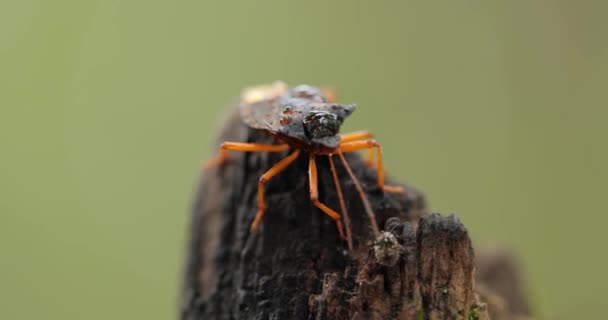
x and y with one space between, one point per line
306 120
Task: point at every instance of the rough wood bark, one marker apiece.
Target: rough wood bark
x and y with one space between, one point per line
296 267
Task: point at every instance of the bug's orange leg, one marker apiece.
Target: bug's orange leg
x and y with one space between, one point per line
356 135
278 167
334 173
371 144
368 207
314 195
360 135
243 147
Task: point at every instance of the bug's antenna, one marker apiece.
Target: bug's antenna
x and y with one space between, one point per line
349 239
366 204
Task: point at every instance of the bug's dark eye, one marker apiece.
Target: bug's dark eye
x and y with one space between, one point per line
321 124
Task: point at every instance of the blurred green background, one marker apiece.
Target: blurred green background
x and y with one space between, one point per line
496 109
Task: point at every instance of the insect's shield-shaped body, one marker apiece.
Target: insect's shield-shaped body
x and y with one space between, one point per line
301 115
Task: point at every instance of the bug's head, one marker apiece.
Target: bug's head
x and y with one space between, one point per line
322 125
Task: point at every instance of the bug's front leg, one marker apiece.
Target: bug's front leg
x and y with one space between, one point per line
276 169
367 145
243 147
313 181
334 173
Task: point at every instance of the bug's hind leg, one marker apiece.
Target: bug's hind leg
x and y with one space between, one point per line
243 147
276 169
366 145
356 135
314 195
361 135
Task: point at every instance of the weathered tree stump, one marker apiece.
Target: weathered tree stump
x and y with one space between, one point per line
296 267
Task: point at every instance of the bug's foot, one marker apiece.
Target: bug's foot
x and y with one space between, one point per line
393 189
